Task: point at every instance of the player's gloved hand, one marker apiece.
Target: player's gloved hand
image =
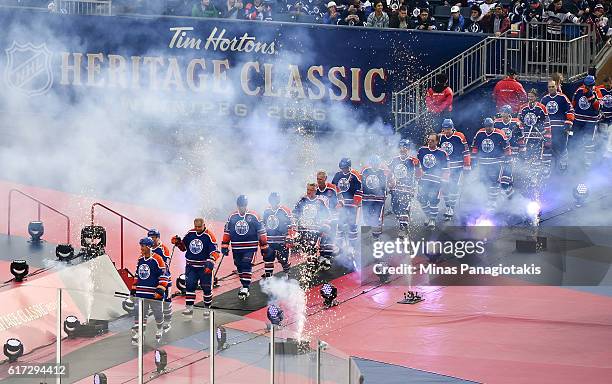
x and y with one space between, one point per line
176 240
209 266
225 251
567 128
159 291
133 291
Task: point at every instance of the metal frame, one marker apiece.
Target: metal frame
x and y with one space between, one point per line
85 7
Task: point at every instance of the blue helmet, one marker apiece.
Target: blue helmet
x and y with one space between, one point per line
153 232
242 201
589 80
448 123
147 242
375 161
345 162
506 109
274 198
404 143
488 122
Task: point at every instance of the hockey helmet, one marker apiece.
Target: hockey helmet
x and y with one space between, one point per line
153 232
147 242
488 122
589 81
274 198
242 201
448 123
345 162
404 143
506 109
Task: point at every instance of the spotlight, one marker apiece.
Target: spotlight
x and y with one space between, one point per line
36 229
533 208
13 349
71 326
581 192
161 360
128 305
181 283
221 334
100 378
19 269
275 314
483 222
329 294
64 252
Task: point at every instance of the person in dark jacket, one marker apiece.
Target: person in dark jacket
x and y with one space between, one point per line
400 19
474 23
497 22
353 15
456 23
205 9
425 22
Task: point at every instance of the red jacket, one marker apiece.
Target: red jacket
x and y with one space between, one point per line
438 102
510 92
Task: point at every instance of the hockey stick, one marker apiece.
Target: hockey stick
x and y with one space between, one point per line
215 280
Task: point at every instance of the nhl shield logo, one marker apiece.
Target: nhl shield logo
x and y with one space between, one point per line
28 68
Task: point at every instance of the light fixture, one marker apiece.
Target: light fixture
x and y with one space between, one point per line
533 208
36 229
161 360
128 305
19 269
100 378
329 294
71 326
221 334
581 192
64 252
13 349
181 283
275 314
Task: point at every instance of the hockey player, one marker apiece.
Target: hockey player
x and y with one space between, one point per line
536 125
491 149
150 282
348 182
513 130
434 162
604 94
374 189
586 109
200 247
456 147
160 249
405 171
312 219
561 115
244 232
329 194
279 228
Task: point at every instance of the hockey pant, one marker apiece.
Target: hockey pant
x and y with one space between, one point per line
373 216
490 177
429 197
583 141
453 187
168 303
347 225
152 305
198 275
243 260
400 204
507 178
558 150
605 128
276 252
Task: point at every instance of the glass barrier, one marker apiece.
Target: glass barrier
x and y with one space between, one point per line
334 366
296 355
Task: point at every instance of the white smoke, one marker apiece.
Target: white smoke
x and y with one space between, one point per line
288 295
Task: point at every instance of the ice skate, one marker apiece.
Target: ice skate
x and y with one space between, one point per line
166 328
158 335
243 294
188 312
431 224
449 213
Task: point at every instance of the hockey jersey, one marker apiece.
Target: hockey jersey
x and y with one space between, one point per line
164 252
536 123
434 164
490 148
373 184
605 101
278 223
586 107
514 133
310 214
200 247
560 110
349 187
404 171
150 277
330 197
456 147
244 232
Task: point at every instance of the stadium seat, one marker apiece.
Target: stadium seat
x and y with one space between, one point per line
442 11
466 11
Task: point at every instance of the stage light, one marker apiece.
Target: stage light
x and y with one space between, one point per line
483 222
36 229
329 294
275 314
71 325
13 349
533 208
161 360
221 334
581 192
181 283
128 305
19 269
64 252
100 378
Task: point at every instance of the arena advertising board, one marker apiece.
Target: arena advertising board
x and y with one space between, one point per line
201 68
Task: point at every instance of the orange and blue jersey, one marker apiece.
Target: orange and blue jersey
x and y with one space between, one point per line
490 147
244 232
514 133
434 163
329 195
311 214
586 107
404 171
560 110
605 102
200 247
164 252
373 184
536 123
150 277
456 147
349 187
278 223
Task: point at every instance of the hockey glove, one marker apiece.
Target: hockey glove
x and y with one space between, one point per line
133 291
209 265
176 240
567 128
225 251
160 291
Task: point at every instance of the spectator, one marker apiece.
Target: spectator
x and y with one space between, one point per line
555 15
424 21
456 23
579 8
439 100
600 22
487 7
233 9
205 9
473 24
180 8
532 15
400 19
298 9
353 15
416 6
258 10
509 91
332 16
497 22
378 18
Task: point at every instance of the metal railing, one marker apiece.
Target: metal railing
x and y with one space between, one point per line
85 7
94 205
40 204
534 60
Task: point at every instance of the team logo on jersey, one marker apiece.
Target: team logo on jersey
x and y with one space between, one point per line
28 68
309 214
429 160
272 222
144 271
447 147
607 101
552 107
196 246
487 145
324 199
343 184
241 227
507 132
583 103
530 119
400 171
372 182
